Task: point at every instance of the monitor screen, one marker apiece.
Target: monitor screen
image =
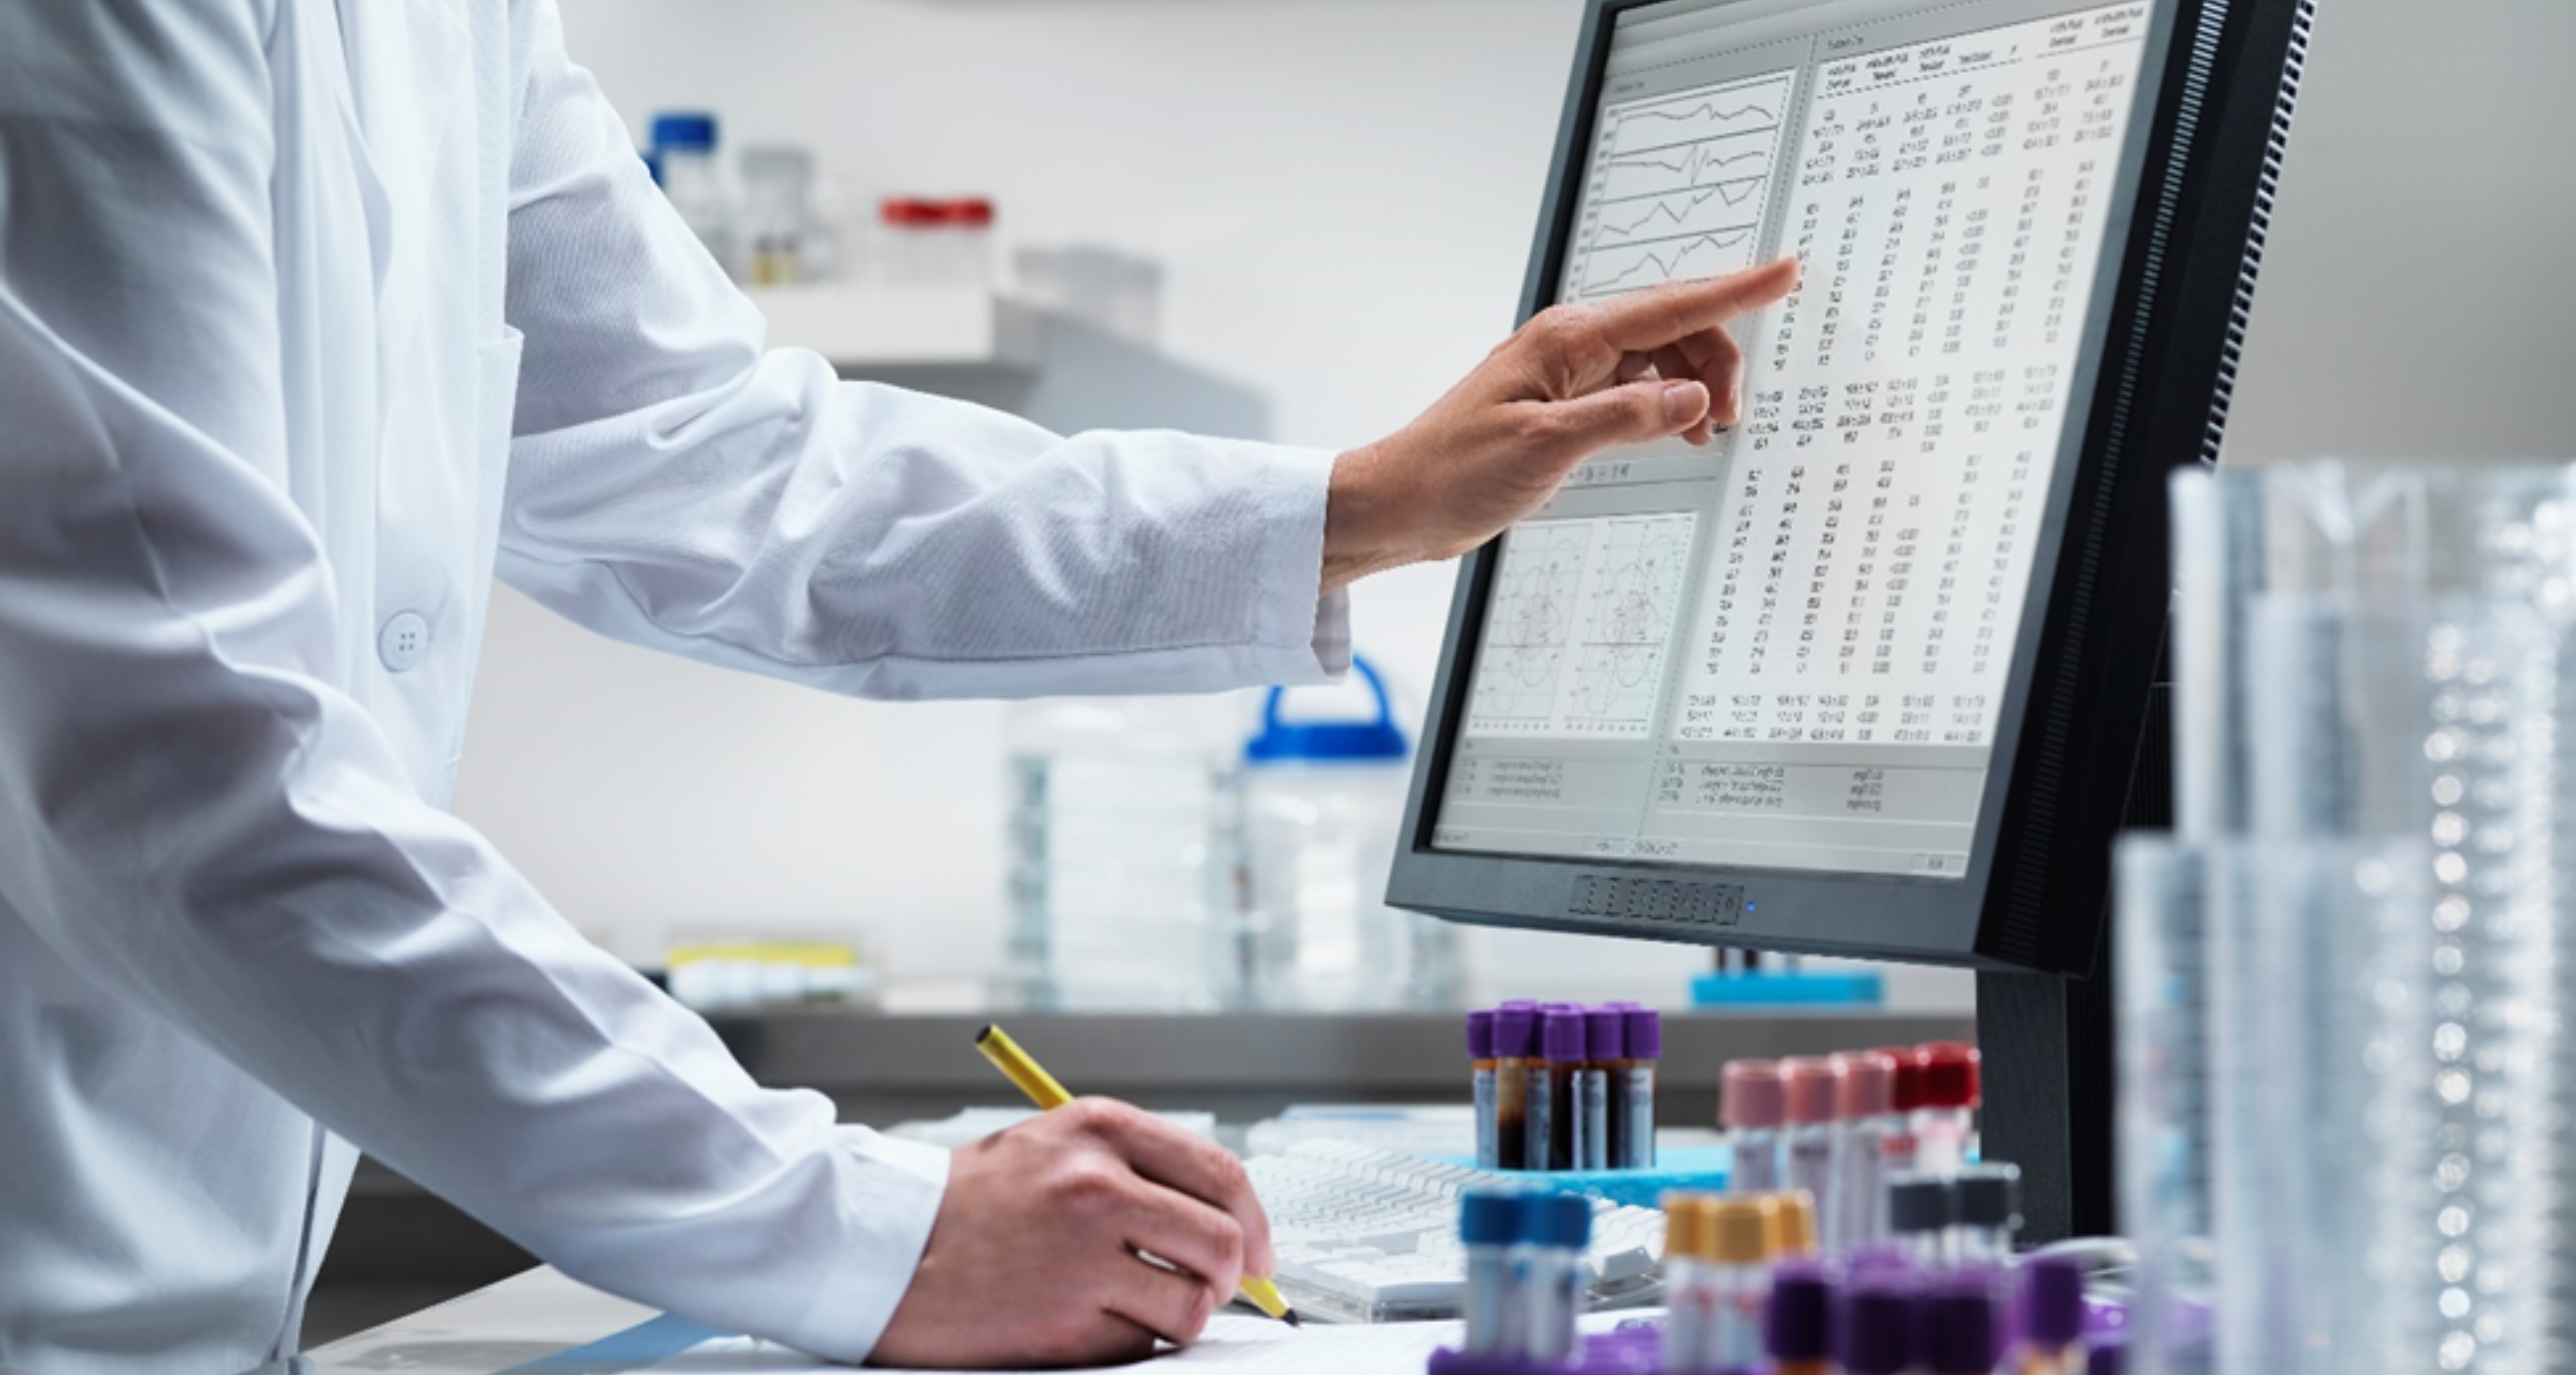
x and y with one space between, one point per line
1794 649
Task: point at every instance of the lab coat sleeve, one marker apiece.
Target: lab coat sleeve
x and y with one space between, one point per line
198 821
675 486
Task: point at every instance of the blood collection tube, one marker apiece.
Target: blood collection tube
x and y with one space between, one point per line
1797 1214
1549 1095
1560 1226
1642 1032
1898 1145
1807 1145
1948 1116
1797 1331
1985 1211
1515 1040
1604 1048
1958 1327
1623 1068
1878 1321
1919 1214
1481 1072
2052 1318
1866 1113
1690 1286
1743 1243
1490 1224
1754 1103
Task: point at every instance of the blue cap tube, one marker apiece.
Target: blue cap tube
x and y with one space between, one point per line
1490 1223
1560 1226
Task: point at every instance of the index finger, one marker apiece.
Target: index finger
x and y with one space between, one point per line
1644 321
1200 1168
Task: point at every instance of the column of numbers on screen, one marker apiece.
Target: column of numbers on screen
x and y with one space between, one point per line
1880 515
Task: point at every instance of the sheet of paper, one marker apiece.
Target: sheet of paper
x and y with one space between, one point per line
1244 1344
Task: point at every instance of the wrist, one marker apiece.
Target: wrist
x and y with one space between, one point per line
1363 522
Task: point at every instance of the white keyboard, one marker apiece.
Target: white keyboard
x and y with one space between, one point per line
1369 1235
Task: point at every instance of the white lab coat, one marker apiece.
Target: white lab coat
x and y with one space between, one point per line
271 274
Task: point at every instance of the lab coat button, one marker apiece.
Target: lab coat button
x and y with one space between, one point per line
404 641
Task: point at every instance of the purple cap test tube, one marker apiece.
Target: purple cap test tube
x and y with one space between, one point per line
1551 1138
1605 1033
1598 1086
1561 1034
1645 1033
2052 1303
1486 1084
1632 1090
1959 1328
1515 1041
1797 1324
1876 1327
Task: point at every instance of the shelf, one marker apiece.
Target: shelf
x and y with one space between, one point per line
884 1068
863 330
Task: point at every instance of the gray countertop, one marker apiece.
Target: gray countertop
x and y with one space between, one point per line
883 1069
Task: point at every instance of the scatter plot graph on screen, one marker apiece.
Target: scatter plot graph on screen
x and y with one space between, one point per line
1637 575
1679 183
1528 626
1580 625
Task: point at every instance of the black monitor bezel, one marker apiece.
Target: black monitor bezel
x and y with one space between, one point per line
2160 370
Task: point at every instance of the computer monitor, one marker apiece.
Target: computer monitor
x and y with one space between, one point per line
1872 675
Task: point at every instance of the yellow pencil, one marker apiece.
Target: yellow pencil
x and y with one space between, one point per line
1049 1095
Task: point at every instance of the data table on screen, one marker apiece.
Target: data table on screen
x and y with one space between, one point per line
1882 504
1699 653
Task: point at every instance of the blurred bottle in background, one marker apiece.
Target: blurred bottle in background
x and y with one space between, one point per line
934 242
777 183
828 255
1323 802
1126 856
683 154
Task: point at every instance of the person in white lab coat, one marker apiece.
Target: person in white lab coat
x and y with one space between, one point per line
311 316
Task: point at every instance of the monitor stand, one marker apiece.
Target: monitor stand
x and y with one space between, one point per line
2051 1056
2048 1097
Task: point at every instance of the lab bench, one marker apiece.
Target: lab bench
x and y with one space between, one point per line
883 1068
527 1318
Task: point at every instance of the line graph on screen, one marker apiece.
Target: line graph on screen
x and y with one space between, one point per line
1678 185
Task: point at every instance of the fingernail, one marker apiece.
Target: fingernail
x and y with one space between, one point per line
1684 402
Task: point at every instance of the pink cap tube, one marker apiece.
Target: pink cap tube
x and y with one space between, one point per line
1813 1087
1868 1086
1755 1096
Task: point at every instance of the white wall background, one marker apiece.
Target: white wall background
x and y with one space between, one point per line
2420 296
1341 193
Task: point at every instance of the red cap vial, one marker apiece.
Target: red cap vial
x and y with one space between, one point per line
1950 1075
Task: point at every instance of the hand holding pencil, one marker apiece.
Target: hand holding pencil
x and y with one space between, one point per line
1039 1253
1022 1069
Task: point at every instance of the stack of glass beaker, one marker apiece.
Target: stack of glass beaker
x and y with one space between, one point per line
2341 992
